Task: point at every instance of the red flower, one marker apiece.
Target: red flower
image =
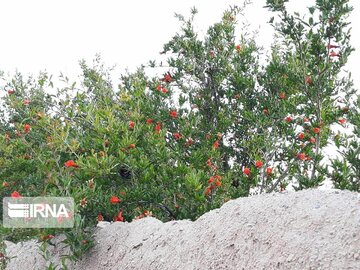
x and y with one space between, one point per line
266 111
46 237
308 80
159 87
330 46
238 48
301 156
211 180
149 121
334 54
208 191
5 184
27 128
189 142
312 140
216 144
131 125
164 90
147 213
288 119
71 163
316 130
177 136
158 127
306 120
342 121
173 114
247 171
15 194
119 217
50 236
11 91
301 136
269 171
26 102
167 78
282 95
218 183
258 164
131 146
114 199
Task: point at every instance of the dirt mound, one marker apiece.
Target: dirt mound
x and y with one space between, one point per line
310 229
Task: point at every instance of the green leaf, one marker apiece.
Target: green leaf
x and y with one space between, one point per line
311 21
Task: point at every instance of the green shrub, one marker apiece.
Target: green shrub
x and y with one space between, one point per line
215 125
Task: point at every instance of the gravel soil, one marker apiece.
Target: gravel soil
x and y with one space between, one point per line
312 229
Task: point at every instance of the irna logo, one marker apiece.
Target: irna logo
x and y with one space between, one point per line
38 212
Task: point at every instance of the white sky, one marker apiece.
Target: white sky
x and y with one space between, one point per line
53 34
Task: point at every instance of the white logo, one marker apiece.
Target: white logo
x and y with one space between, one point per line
38 212
25 210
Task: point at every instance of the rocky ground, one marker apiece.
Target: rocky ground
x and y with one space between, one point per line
310 229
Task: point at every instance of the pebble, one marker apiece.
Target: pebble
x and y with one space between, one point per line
103 224
290 257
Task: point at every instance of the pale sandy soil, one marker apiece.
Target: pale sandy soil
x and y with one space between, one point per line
313 229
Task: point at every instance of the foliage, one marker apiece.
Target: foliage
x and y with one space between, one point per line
217 124
345 172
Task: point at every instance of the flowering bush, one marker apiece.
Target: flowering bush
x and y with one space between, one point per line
345 173
216 125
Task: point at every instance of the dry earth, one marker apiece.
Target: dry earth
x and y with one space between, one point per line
310 229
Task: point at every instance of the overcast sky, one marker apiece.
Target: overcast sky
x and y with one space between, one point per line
53 34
